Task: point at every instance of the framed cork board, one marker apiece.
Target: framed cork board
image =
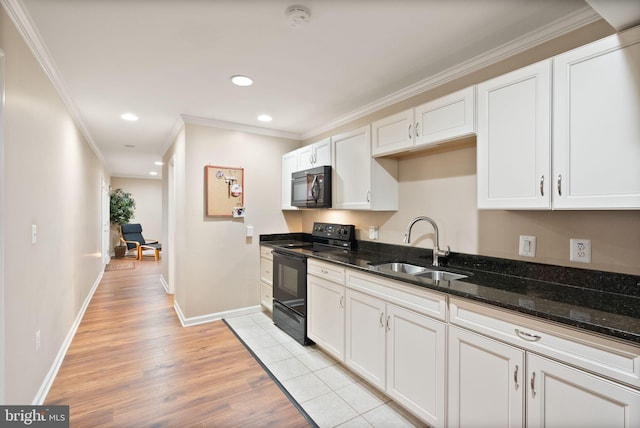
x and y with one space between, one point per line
224 190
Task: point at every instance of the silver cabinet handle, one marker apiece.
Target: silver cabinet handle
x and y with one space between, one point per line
533 384
381 319
560 184
341 301
324 271
389 323
528 336
409 133
369 196
515 377
417 129
542 186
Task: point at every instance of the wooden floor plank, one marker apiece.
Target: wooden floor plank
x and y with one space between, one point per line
131 364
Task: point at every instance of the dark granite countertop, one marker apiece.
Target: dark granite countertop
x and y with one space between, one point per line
600 302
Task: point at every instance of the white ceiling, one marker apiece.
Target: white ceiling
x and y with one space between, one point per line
164 60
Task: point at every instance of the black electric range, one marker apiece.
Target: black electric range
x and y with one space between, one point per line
290 274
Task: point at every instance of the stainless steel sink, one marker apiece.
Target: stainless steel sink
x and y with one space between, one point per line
439 275
400 267
419 271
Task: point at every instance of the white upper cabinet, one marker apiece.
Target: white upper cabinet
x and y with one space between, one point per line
393 134
314 155
447 118
591 161
596 135
289 165
361 182
514 139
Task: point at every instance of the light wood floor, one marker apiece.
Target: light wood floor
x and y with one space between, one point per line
131 364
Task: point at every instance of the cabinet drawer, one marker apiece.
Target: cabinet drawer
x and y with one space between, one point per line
597 354
266 296
266 271
405 295
328 271
265 252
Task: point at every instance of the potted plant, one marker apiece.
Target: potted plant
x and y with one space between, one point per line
122 206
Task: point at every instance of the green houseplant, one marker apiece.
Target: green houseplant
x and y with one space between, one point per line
122 206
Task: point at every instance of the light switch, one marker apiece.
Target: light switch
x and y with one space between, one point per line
249 231
527 246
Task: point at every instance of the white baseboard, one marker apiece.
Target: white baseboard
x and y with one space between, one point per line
202 319
53 371
165 284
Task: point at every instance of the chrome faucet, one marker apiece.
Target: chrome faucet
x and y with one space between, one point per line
437 252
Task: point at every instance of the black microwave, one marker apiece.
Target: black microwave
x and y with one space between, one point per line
311 188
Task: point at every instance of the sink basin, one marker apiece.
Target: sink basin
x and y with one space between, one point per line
439 275
419 271
399 267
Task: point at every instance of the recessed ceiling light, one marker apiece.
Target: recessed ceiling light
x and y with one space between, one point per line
129 117
240 80
159 163
153 173
265 118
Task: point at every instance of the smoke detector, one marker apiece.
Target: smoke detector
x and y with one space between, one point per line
298 16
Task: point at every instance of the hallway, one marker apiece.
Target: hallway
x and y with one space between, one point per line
131 364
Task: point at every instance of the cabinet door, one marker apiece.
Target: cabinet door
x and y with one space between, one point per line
513 143
352 169
416 363
322 153
289 165
393 134
596 135
365 337
486 381
447 118
305 158
325 315
561 396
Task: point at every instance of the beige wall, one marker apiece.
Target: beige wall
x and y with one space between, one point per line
53 180
218 267
148 196
441 183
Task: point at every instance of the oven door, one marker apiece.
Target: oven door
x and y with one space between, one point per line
290 281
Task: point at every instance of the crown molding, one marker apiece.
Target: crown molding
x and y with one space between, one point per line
23 22
232 126
562 26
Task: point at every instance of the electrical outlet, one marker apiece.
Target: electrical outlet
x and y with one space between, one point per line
580 250
373 232
527 246
37 340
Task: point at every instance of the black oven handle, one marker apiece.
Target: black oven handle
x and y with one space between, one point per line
287 255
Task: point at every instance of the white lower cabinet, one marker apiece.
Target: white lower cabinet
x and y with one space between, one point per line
492 383
366 337
400 351
266 278
326 307
486 381
325 315
562 396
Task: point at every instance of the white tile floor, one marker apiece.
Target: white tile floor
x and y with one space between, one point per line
330 394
